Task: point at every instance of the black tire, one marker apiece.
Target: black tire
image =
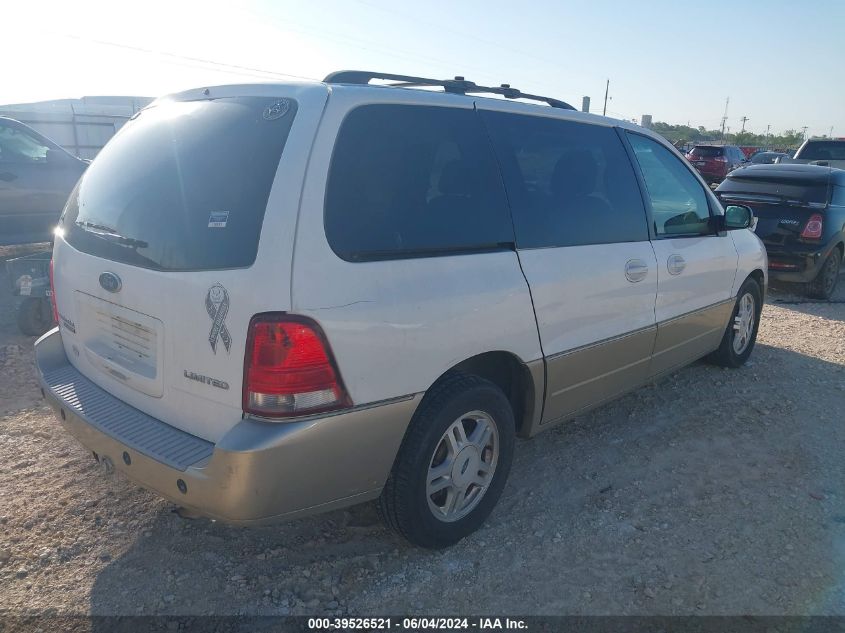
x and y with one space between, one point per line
824 284
727 355
404 504
32 319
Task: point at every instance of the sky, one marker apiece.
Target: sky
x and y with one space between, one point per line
779 61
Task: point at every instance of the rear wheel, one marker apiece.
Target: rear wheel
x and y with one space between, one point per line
824 284
741 333
453 463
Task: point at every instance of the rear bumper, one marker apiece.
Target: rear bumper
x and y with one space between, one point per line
796 265
258 472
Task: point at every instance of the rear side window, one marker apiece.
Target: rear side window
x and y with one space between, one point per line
678 202
707 152
412 181
184 186
568 183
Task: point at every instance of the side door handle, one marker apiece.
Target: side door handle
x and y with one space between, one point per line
675 264
635 270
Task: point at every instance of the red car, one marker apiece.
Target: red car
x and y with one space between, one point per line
714 162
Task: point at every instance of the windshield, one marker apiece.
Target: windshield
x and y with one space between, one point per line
182 187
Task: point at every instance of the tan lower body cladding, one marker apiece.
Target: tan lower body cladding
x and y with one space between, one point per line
585 377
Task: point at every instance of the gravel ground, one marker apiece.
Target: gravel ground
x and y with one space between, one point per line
710 492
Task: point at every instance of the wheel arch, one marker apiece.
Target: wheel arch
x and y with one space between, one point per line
522 383
759 276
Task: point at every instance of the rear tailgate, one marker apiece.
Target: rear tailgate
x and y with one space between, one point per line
166 251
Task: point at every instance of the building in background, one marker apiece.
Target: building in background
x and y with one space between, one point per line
82 126
645 121
585 104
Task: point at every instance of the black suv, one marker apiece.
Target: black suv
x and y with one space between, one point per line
801 219
36 177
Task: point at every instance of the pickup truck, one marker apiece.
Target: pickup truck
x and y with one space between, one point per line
830 152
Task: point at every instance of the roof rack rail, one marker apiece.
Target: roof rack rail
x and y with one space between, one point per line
458 85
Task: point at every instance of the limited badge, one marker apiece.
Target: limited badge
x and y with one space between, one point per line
276 110
217 306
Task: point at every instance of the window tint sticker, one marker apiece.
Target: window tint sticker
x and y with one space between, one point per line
218 219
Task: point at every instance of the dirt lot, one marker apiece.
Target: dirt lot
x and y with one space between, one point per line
711 492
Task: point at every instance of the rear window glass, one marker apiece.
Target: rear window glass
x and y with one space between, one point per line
184 186
413 181
823 150
775 190
707 152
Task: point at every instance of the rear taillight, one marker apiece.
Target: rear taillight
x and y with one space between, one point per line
53 295
289 369
813 229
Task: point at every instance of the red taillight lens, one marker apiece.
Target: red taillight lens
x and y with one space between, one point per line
53 295
813 229
289 369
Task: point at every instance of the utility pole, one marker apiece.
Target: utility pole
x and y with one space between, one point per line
768 127
725 118
831 132
804 133
606 90
743 119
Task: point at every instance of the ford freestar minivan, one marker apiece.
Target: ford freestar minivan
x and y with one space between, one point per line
276 300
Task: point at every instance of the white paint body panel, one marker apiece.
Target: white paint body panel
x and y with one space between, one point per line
706 279
581 294
396 326
752 256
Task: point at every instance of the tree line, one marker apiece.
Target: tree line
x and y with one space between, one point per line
680 134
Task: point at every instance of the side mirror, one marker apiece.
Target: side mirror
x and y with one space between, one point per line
738 216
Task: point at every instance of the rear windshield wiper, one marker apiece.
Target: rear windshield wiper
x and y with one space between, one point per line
109 233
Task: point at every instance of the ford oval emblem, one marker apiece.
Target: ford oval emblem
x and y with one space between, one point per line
110 282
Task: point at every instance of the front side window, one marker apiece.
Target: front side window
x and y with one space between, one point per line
678 202
18 146
412 181
568 183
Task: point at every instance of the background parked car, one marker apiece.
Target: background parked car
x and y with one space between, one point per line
821 152
801 215
767 158
36 178
714 162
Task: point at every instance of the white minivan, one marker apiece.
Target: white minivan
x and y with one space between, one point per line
281 299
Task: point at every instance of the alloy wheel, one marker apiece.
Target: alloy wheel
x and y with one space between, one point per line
744 323
462 466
